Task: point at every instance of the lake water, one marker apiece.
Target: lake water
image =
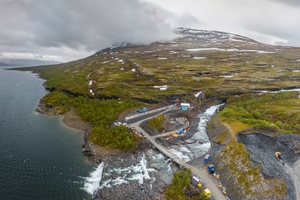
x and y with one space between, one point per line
40 158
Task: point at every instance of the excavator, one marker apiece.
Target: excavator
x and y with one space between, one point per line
279 157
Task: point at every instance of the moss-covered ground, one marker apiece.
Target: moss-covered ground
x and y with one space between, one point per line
118 76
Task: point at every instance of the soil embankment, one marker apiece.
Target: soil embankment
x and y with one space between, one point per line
263 147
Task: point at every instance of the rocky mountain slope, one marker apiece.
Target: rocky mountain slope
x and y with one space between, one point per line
222 63
199 67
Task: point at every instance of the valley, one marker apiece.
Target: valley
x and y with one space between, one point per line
258 84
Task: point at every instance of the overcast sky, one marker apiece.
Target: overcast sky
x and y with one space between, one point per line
65 30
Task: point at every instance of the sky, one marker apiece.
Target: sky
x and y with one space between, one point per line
65 30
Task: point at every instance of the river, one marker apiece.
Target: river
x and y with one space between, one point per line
40 157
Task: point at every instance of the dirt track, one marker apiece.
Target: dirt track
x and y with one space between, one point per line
295 173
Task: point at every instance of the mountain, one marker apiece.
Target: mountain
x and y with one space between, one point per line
5 64
259 85
26 62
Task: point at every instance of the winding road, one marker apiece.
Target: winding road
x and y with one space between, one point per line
200 173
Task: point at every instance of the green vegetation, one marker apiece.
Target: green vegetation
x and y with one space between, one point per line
156 123
221 138
272 112
100 114
130 72
236 158
279 113
180 186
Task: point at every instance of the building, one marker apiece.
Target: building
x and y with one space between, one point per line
185 106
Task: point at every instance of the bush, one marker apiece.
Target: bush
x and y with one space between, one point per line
264 112
100 114
156 123
180 182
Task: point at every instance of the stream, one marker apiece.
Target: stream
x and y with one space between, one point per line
151 165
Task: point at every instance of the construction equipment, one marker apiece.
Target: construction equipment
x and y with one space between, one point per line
180 131
207 193
206 158
211 169
142 110
279 157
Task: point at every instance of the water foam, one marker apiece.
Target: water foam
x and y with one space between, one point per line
118 176
92 183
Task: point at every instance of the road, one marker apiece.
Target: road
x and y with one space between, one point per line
294 172
296 176
200 173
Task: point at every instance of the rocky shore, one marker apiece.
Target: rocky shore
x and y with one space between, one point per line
114 159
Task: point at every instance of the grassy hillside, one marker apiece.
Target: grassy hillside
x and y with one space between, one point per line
221 64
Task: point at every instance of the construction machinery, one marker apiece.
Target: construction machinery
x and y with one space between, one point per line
180 131
206 158
207 193
142 110
211 169
279 157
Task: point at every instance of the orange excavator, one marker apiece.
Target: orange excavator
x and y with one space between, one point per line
279 157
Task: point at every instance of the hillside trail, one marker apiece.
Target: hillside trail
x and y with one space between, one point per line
232 133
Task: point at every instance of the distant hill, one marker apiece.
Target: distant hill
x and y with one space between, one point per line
201 67
25 62
5 64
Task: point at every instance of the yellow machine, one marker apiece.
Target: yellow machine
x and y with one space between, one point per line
278 155
207 193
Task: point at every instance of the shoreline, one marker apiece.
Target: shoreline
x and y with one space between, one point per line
114 158
71 119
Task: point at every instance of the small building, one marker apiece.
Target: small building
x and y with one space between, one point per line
185 106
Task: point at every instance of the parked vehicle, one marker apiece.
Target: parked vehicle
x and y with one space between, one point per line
207 158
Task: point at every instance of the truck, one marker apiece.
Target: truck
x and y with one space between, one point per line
211 169
206 158
180 131
141 110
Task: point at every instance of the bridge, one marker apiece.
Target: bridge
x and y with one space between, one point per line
200 173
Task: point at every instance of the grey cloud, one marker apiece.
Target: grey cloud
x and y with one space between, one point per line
92 24
287 2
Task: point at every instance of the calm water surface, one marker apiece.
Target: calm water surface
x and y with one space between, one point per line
40 158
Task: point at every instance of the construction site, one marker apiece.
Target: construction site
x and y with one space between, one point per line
277 157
